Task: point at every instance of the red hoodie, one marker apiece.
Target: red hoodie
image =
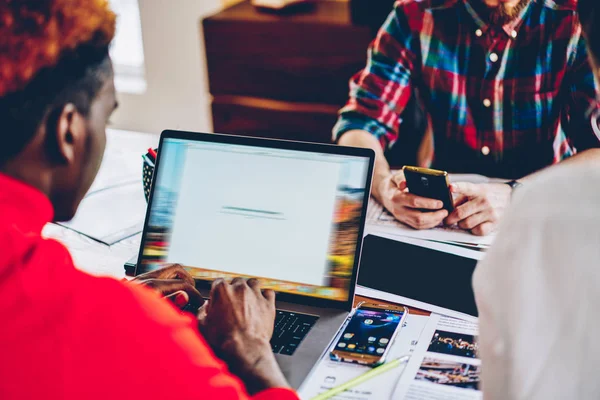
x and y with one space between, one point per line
67 335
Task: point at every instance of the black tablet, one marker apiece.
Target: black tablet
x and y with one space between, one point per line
418 273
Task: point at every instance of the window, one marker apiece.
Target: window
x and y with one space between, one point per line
127 49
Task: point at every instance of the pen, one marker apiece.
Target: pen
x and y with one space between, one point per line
152 154
362 378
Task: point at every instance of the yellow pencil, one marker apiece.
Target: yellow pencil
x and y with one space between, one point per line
362 378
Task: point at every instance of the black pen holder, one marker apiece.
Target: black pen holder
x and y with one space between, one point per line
147 173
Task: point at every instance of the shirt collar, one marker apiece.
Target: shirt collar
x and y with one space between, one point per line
511 28
23 206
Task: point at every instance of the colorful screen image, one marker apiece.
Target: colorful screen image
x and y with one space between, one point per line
455 344
370 331
450 373
289 218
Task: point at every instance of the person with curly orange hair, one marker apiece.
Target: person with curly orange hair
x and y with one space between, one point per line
65 334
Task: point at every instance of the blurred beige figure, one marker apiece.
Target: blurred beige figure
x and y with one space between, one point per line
538 291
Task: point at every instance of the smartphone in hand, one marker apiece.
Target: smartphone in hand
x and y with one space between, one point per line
429 183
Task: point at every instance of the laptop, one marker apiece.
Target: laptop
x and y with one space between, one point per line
290 214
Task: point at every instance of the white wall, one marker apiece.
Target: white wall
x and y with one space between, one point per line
177 85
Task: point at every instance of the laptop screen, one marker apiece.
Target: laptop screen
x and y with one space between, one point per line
289 218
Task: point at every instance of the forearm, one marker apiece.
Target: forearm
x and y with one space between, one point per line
589 157
360 138
254 363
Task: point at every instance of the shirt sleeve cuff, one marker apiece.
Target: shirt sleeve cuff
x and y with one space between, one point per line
347 123
277 394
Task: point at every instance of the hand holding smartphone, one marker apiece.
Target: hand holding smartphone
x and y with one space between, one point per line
429 183
369 334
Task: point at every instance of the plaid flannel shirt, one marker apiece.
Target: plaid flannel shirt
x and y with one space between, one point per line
501 100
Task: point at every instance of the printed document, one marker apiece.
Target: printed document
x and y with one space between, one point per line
444 364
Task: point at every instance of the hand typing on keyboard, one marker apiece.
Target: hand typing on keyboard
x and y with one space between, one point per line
238 323
174 283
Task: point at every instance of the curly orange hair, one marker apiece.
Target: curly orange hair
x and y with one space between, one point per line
34 34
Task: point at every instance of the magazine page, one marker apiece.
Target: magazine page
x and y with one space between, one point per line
444 365
328 374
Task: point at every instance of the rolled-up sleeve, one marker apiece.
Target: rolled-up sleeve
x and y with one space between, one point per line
379 93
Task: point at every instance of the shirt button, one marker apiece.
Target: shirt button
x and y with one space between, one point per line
487 103
493 57
479 33
485 150
514 34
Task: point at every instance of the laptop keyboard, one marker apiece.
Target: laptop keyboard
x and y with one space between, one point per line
290 329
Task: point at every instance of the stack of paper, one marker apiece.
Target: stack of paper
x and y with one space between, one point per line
381 221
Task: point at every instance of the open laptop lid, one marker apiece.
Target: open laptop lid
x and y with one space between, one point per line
290 214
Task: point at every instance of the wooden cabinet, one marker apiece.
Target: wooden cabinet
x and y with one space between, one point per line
282 76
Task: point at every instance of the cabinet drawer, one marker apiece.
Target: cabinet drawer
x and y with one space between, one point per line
300 58
273 119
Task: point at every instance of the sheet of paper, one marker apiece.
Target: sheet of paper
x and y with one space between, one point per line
379 295
94 257
122 163
444 364
328 374
111 215
381 221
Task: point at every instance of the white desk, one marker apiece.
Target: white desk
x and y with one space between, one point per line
122 162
